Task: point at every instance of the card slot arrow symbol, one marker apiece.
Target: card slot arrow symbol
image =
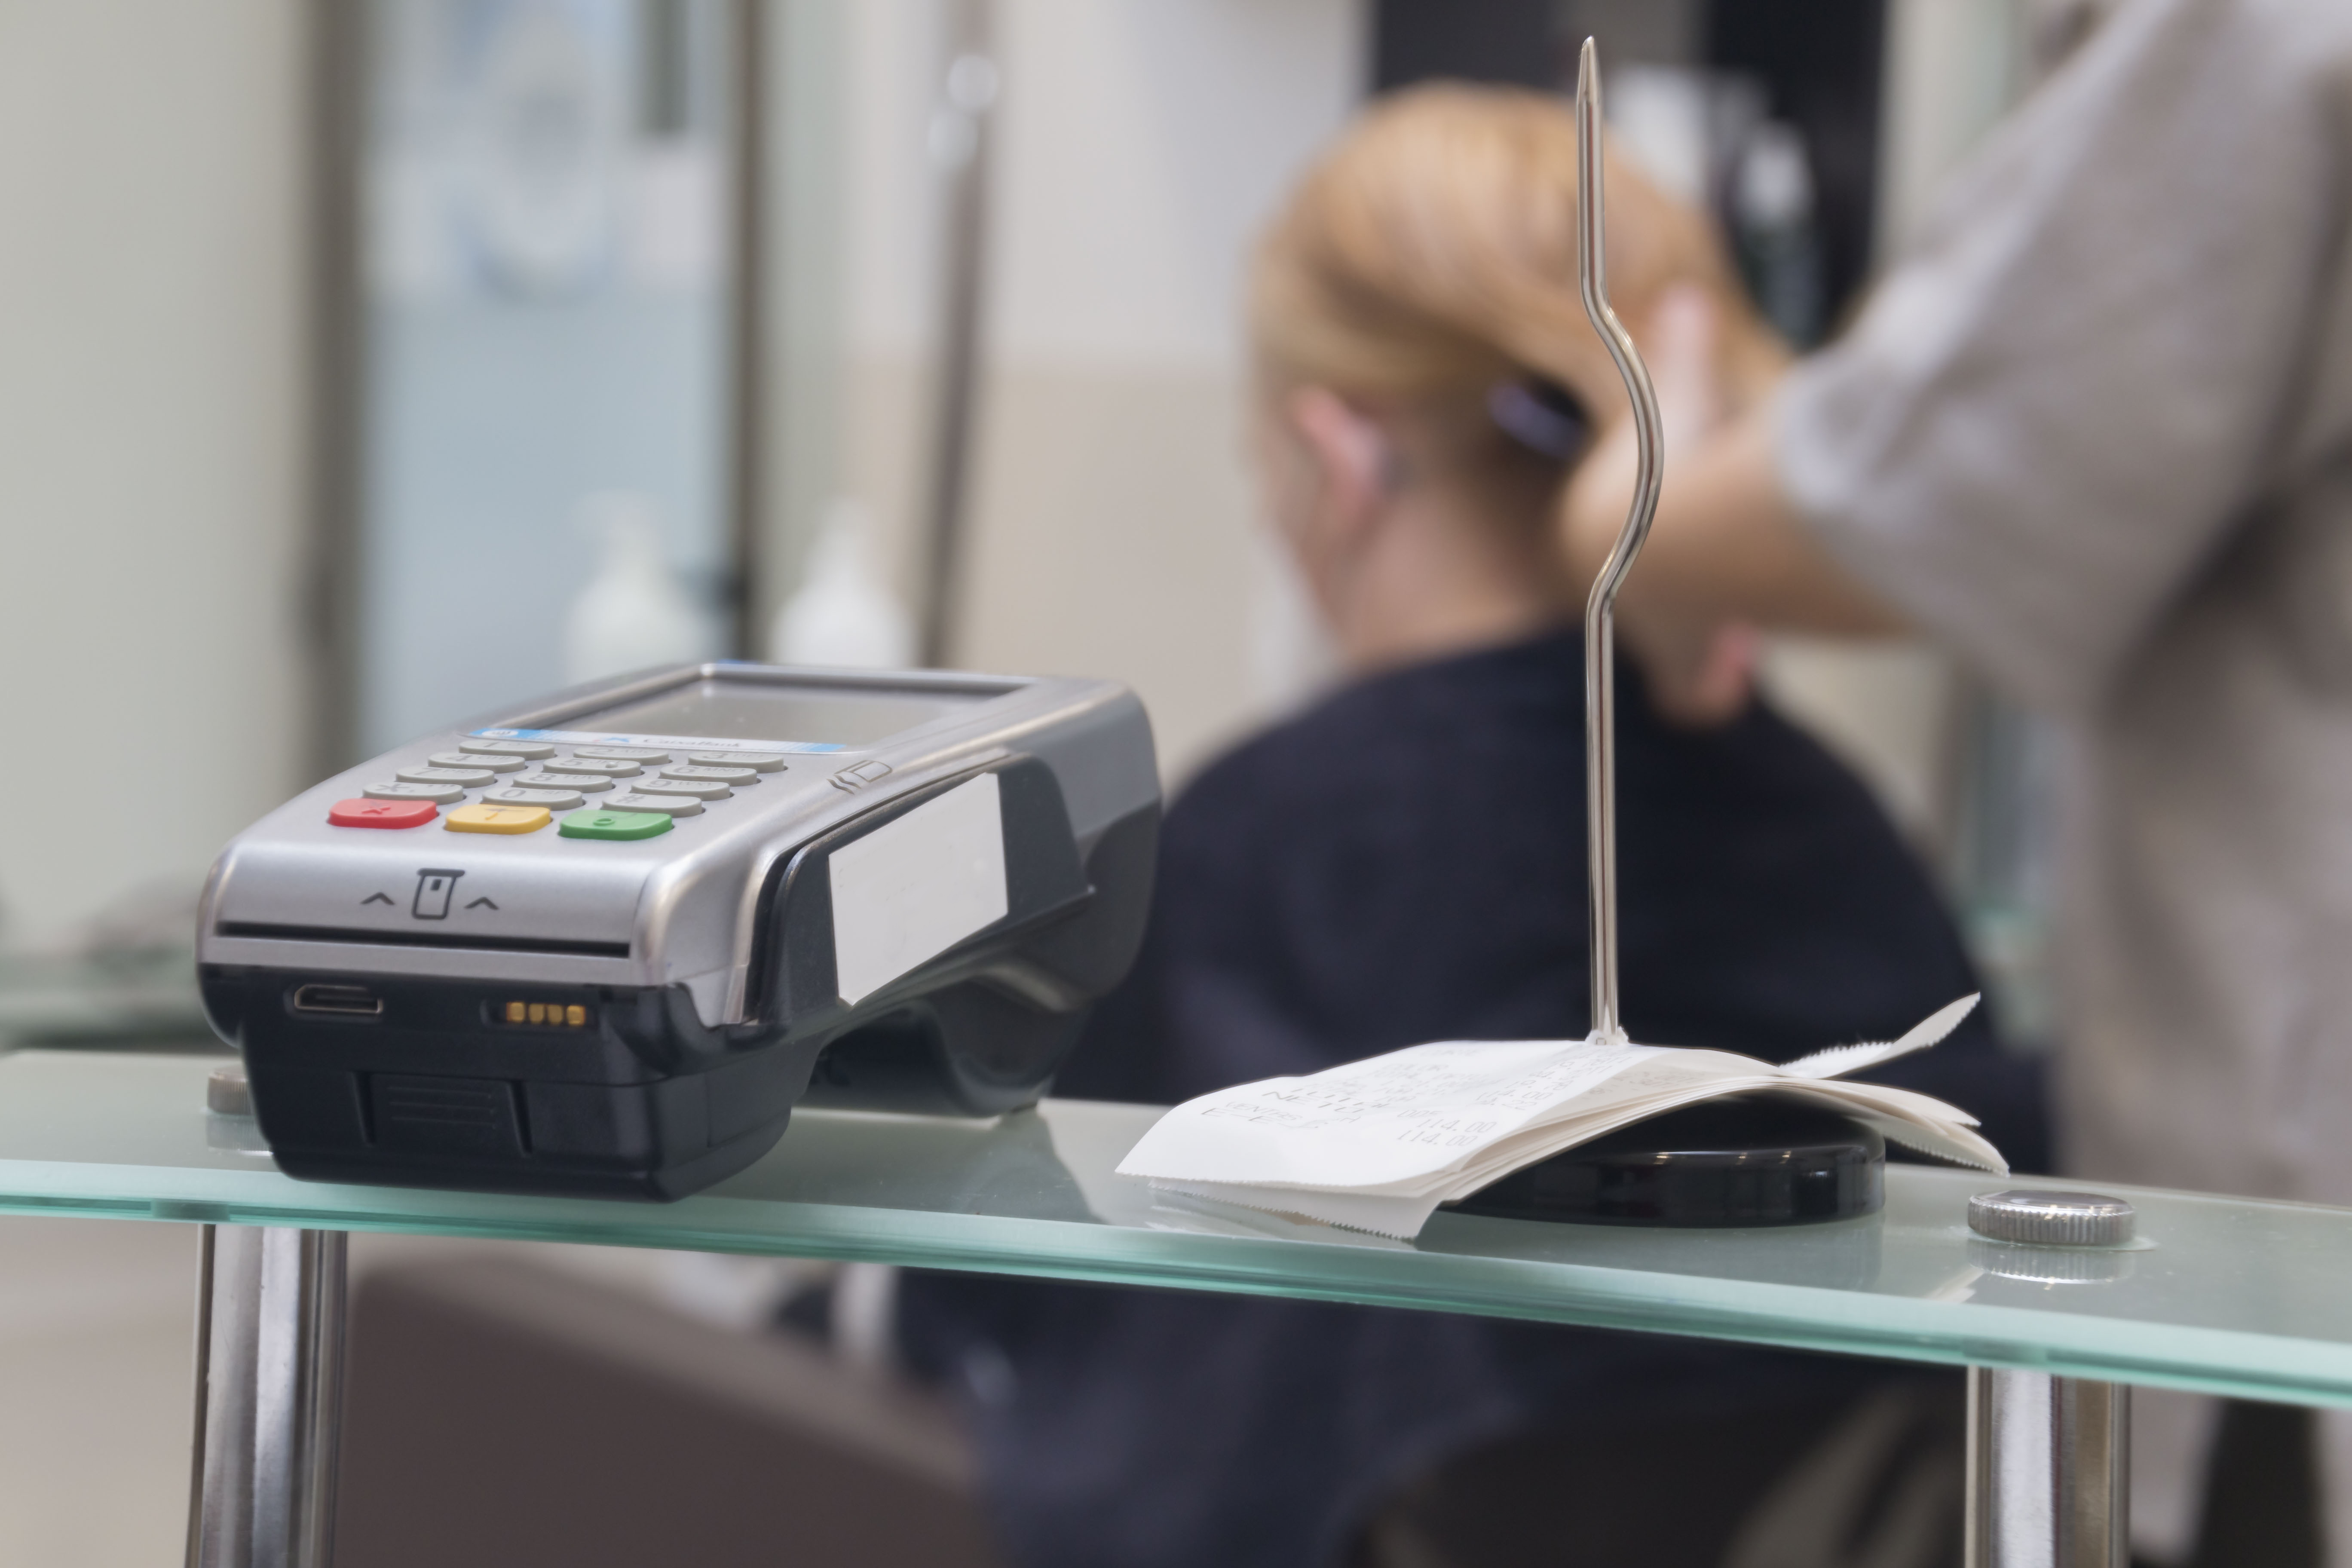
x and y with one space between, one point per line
375 898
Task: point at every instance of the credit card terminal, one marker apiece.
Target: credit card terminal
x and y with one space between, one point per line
603 945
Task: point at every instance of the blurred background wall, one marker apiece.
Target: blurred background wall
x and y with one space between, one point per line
522 222
1145 143
1134 150
152 436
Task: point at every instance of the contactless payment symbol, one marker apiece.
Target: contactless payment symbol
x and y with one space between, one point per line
434 891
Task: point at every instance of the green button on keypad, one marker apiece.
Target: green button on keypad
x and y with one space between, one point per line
593 823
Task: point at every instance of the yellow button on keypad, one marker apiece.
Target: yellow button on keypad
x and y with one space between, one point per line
499 819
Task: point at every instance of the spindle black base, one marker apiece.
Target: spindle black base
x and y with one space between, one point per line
1750 1159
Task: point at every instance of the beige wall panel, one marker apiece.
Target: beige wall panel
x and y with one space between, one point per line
1111 538
149 437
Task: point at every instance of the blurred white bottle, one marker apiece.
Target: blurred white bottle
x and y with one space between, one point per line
634 612
844 612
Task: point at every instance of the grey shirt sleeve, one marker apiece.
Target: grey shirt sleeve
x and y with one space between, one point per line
2054 413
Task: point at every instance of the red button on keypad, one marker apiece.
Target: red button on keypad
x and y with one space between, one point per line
381 813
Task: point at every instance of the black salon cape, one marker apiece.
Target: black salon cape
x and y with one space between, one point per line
1405 863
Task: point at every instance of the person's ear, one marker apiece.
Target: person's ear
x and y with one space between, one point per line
1352 459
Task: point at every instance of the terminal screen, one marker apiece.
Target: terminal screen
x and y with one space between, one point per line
752 710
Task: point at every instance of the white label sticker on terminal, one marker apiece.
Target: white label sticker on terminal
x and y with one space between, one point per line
911 890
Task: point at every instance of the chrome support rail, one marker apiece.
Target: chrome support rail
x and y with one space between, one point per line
2049 1471
270 1352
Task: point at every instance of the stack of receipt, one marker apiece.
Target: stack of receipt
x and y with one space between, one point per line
1377 1145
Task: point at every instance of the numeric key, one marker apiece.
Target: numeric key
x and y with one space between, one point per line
439 793
701 789
553 799
676 805
758 762
585 783
494 763
733 777
464 778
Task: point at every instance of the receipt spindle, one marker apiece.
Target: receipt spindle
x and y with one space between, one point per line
1749 1161
1600 651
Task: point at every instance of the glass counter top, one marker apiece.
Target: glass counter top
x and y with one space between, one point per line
2222 1294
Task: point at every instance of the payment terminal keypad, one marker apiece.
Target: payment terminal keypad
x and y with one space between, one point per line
526 786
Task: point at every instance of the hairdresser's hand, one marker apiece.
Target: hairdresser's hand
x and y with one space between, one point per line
1700 669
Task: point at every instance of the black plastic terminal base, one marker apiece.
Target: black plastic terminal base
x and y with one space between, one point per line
1752 1160
612 1092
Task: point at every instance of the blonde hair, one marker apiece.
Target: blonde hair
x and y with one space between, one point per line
1432 253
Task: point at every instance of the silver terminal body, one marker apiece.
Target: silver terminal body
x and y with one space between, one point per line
2043 1218
298 893
2049 1477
